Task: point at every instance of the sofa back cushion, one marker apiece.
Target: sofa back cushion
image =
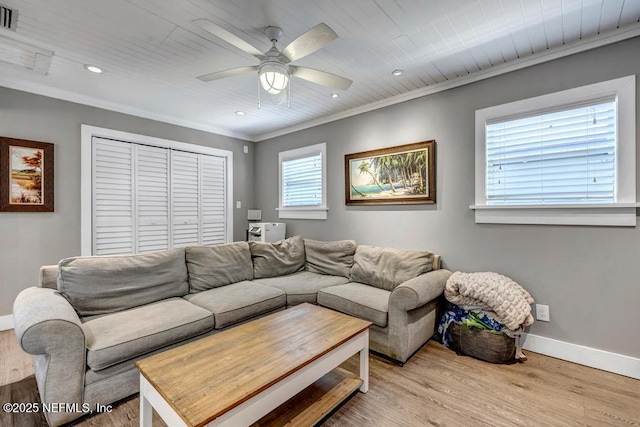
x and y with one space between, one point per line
334 258
386 268
214 266
106 284
278 258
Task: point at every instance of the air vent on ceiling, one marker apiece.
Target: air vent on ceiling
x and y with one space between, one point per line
8 18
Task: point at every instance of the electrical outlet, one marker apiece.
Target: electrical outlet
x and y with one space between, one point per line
542 313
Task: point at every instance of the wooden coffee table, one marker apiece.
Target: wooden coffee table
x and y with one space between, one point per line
242 374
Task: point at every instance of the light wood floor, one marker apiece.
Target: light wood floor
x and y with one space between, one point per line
436 387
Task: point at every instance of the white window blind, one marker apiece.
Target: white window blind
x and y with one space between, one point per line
557 157
302 181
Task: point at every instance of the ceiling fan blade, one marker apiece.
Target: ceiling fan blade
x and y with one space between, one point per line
225 35
228 73
321 77
309 42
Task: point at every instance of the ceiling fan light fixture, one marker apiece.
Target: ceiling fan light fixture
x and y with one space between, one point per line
274 77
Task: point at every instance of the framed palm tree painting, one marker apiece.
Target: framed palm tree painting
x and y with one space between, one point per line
404 174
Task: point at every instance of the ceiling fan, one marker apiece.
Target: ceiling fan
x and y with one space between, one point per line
275 68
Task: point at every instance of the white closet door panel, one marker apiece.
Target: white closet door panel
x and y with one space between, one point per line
185 199
213 234
152 198
148 198
113 204
185 235
112 239
213 206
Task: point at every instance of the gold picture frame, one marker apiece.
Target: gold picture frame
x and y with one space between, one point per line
399 175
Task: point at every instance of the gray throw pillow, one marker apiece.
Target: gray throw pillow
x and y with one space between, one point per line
214 266
277 258
334 258
386 268
106 284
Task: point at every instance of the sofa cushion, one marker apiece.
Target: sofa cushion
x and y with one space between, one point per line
106 284
386 268
116 337
335 258
238 301
278 258
213 266
302 286
356 299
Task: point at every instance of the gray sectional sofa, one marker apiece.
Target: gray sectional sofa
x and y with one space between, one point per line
92 317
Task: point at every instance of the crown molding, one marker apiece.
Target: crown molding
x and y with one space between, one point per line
566 50
78 98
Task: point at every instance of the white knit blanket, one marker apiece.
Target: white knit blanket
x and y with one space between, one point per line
494 294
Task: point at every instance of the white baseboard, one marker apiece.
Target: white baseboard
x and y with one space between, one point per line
592 357
6 322
600 359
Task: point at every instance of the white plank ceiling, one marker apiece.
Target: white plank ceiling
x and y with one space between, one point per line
151 52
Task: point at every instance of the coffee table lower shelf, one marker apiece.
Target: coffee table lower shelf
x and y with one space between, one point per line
313 404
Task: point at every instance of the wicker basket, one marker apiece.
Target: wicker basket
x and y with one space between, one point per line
482 344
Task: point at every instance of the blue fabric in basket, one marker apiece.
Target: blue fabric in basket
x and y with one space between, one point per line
456 314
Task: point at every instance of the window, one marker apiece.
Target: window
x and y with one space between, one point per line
142 194
563 158
303 180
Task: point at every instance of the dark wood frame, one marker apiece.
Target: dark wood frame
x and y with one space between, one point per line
428 146
5 176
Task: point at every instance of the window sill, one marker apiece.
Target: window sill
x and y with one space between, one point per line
614 215
302 213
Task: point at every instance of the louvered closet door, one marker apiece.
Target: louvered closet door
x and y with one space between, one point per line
152 198
149 198
185 198
113 207
213 199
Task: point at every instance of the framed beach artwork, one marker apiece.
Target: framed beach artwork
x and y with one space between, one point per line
26 176
405 174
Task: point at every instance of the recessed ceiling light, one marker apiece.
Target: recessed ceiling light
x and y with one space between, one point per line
334 95
93 68
240 113
397 72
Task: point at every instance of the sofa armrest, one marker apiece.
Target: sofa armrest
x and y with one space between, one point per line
49 276
39 313
419 291
412 313
47 327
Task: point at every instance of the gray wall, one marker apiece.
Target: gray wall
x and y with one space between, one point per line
589 276
29 240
